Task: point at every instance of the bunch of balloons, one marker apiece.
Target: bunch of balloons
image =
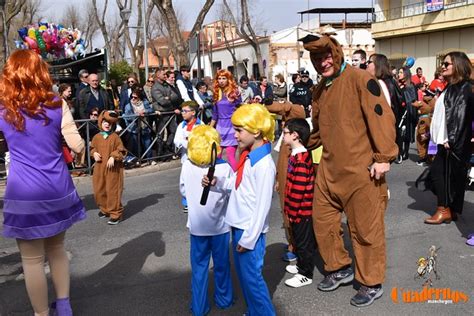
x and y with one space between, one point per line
51 40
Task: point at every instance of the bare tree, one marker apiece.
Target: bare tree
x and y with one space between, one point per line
179 45
76 16
10 10
246 30
101 22
228 31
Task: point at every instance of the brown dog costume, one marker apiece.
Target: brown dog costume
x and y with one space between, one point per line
425 110
108 182
356 127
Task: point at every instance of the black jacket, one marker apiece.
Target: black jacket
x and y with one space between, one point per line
459 108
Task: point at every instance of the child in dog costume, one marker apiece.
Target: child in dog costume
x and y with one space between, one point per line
108 152
210 235
356 126
425 110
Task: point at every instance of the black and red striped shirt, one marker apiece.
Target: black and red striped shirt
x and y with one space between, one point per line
299 187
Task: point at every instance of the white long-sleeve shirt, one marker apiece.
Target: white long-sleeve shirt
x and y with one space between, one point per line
184 93
181 138
205 220
249 204
438 128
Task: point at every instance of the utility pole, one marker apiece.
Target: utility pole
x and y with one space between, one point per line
145 46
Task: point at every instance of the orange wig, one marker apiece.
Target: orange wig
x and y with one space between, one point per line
26 88
231 91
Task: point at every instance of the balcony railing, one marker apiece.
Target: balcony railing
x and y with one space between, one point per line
415 9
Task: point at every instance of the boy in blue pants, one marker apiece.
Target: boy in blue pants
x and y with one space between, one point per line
250 201
210 235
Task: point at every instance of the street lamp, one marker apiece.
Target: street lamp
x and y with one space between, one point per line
125 15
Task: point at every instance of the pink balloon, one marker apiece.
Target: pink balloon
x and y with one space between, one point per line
31 42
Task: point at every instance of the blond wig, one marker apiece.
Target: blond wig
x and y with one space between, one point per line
255 118
200 143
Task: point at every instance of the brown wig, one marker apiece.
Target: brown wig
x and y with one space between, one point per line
26 89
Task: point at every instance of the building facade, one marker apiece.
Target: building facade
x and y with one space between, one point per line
405 28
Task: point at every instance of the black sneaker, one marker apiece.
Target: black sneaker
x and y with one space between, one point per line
102 215
366 295
333 280
185 209
113 221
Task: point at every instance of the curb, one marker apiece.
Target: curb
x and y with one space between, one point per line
174 164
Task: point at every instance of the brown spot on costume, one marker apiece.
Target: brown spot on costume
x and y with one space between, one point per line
108 182
356 127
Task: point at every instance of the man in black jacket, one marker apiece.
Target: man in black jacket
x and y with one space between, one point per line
301 92
93 96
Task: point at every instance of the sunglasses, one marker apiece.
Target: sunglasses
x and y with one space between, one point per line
134 97
152 81
94 114
446 64
131 81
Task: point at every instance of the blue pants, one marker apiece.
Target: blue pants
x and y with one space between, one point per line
201 249
249 266
184 202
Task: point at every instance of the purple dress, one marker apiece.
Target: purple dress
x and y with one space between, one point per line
222 113
40 198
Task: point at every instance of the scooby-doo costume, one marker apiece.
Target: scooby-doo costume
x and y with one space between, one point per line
108 182
287 111
425 110
356 126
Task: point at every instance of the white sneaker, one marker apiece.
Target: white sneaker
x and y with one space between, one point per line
292 268
298 281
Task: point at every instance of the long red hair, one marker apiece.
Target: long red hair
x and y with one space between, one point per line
231 90
26 89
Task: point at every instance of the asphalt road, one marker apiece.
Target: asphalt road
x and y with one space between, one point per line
141 266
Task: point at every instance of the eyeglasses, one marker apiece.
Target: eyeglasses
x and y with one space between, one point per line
446 64
94 114
186 111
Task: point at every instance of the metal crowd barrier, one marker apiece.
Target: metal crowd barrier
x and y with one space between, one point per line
84 127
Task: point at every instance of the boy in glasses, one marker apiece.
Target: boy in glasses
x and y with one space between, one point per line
188 111
298 205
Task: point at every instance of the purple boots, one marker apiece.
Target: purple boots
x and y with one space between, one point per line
61 307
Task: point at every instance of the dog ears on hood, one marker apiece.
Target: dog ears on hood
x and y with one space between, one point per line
110 116
317 45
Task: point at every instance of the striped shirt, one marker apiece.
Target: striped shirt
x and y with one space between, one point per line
299 187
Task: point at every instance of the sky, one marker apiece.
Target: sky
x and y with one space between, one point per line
274 15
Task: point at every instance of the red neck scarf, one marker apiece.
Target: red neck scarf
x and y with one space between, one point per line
190 125
240 167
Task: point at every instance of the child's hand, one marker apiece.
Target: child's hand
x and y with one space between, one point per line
241 249
276 187
110 162
205 181
97 157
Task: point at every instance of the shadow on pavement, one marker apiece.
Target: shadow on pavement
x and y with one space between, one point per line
136 206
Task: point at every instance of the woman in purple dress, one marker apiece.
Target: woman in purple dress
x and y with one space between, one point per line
40 201
226 100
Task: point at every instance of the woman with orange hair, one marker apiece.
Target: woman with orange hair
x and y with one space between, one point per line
226 100
40 201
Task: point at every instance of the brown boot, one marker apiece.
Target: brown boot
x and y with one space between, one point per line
442 215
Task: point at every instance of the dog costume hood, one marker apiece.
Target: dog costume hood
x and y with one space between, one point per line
317 45
110 116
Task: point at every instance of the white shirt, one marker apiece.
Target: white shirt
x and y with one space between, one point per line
184 93
386 93
181 138
205 220
438 129
249 204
